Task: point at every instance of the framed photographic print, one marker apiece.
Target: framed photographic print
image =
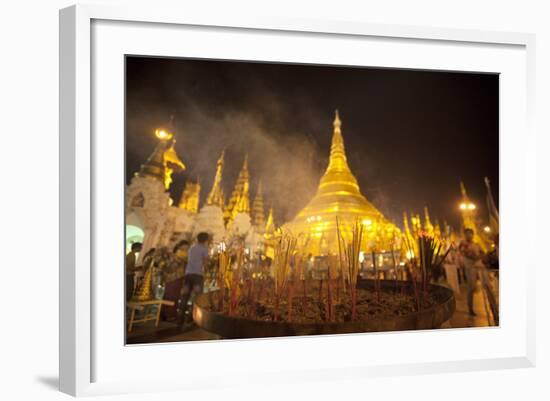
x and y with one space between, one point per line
255 191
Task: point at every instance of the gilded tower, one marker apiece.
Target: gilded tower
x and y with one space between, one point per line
339 195
239 201
216 197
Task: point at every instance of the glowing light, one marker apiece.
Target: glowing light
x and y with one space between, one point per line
487 229
361 257
471 206
163 134
463 206
410 254
367 222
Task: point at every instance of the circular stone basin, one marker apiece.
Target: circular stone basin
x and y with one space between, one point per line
238 327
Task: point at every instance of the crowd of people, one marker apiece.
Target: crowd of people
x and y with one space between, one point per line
467 263
179 274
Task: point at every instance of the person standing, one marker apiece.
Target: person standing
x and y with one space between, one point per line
472 255
131 267
450 264
194 273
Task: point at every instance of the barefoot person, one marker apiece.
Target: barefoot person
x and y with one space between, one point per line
194 272
471 258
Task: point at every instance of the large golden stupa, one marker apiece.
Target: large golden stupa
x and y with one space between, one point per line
339 196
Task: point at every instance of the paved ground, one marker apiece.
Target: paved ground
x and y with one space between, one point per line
462 318
168 332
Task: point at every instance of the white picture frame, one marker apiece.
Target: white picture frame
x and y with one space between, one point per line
84 351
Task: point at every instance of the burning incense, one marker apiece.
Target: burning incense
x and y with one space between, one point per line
351 251
234 281
223 263
283 251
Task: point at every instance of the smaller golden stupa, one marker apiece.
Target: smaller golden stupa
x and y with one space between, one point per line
339 195
143 292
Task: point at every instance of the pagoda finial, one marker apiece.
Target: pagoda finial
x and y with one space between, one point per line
337 122
215 197
463 190
245 164
338 161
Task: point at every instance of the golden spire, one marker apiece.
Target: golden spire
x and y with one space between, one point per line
270 224
215 197
190 197
409 237
463 190
338 195
239 201
258 216
428 226
338 176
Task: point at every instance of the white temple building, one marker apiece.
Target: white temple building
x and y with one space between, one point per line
153 218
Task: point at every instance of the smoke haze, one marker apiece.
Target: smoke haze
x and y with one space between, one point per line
410 136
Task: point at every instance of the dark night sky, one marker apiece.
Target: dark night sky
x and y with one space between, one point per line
410 136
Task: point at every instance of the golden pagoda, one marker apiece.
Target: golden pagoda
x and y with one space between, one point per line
239 201
216 197
258 216
339 195
190 197
164 159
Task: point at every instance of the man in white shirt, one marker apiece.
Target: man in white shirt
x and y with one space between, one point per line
194 272
472 259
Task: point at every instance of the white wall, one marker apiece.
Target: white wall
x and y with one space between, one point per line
28 200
